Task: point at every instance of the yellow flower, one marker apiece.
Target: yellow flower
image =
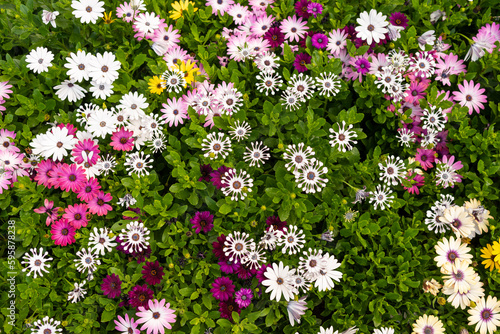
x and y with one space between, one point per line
188 69
156 85
494 254
180 7
107 18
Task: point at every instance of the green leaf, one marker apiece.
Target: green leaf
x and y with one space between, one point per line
225 209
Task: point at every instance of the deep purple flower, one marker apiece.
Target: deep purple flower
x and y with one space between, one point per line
229 267
301 9
243 298
216 177
222 288
111 286
152 273
275 37
314 8
350 31
205 172
300 62
202 220
260 273
399 19
227 308
276 222
142 255
319 41
244 273
218 248
140 296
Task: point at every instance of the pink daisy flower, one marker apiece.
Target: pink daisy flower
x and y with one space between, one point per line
470 96
293 28
48 208
167 38
447 66
72 130
416 91
63 233
54 175
4 90
337 41
90 189
175 56
262 24
125 12
157 318
71 177
239 13
98 204
221 6
222 288
127 325
300 62
86 151
174 111
416 181
319 41
425 157
243 298
5 180
76 215
6 141
377 62
122 140
314 8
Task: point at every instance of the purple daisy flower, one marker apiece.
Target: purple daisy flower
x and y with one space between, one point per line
301 9
275 37
350 31
216 176
243 298
276 222
152 273
111 286
300 62
140 296
399 19
219 248
362 65
228 267
245 273
425 157
319 41
205 173
202 220
314 8
222 288
227 308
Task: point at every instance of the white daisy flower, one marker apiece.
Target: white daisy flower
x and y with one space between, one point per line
296 309
70 91
427 38
101 123
269 82
152 124
133 104
77 293
88 10
302 85
101 91
270 238
382 197
299 282
486 315
106 164
423 64
127 200
372 26
257 154
384 330
328 84
309 178
46 325
291 100
278 282
327 273
405 137
398 60
37 262
433 119
463 300
84 111
297 156
215 144
54 144
399 91
101 241
146 23
429 138
343 137
459 276
240 131
39 60
87 261
49 17
311 263
158 143
393 170
461 222
291 239
230 99
239 184
103 69
135 237
328 330
78 65
267 62
173 80
387 78
254 258
137 163
237 246
451 251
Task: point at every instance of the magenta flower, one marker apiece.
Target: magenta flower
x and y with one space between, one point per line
48 208
62 232
86 151
470 96
300 62
425 158
319 41
301 9
399 19
226 309
122 140
314 8
416 181
361 67
139 296
202 220
98 204
222 288
275 37
244 273
89 190
152 273
216 177
44 169
219 248
111 286
156 317
127 325
76 215
416 91
229 267
276 222
71 177
243 298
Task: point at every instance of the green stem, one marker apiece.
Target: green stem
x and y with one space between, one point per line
470 40
350 185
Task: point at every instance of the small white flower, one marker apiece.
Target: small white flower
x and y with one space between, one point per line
215 144
328 84
311 263
101 91
78 65
257 154
127 200
433 119
343 138
106 164
158 143
270 238
254 258
291 100
173 80
387 78
101 240
135 237
423 64
49 17
427 38
237 246
269 82
240 130
372 26
103 69
381 197
37 262
87 261
309 178
133 105
238 184
393 170
101 123
278 282
39 60
137 163
267 62
297 156
405 137
302 85
384 330
291 239
88 10
327 273
296 309
77 293
70 91
54 144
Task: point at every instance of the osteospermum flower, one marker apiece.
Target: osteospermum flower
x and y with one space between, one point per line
222 288
111 286
451 251
135 237
202 221
54 144
122 140
101 241
461 222
393 170
372 26
300 62
152 273
328 84
239 184
36 261
327 273
470 96
126 325
71 177
62 233
459 276
243 297
240 131
257 154
139 296
277 282
309 178
158 317
215 144
381 197
39 60
76 215
293 28
98 205
156 85
343 137
490 255
88 10
70 91
425 157
138 164
237 245
428 324
291 239
103 69
297 156
46 325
